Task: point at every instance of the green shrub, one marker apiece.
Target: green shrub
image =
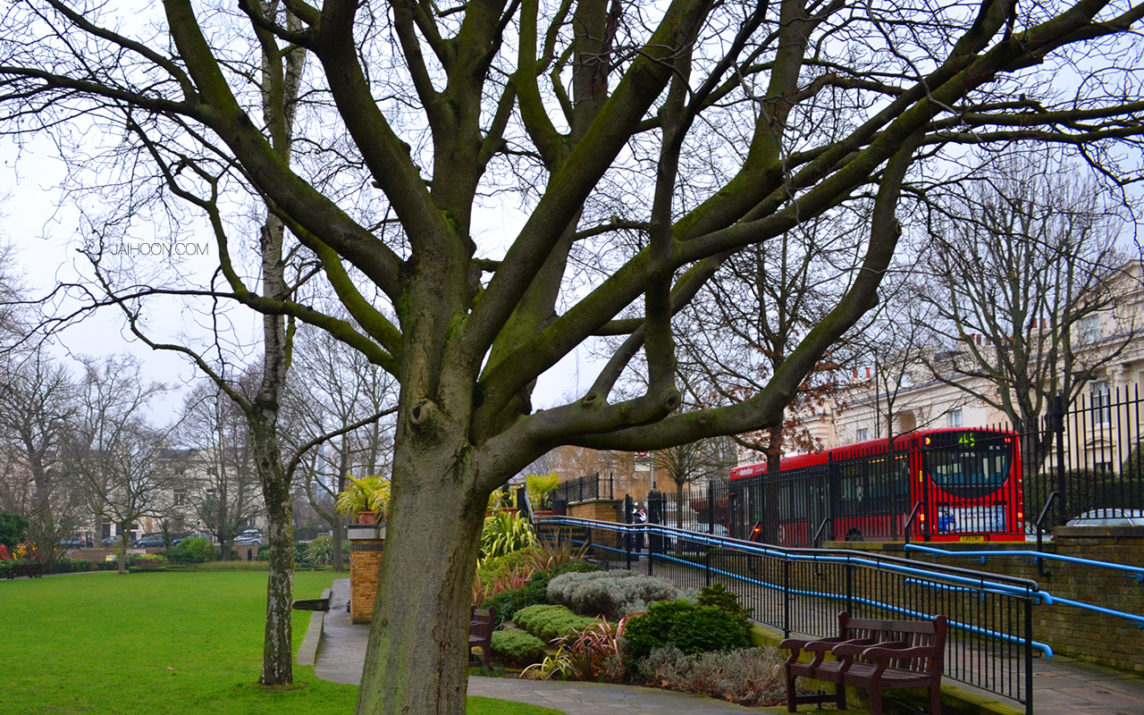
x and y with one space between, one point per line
302 553
748 676
66 565
612 594
718 596
321 551
13 529
517 647
494 567
687 626
509 602
195 550
550 622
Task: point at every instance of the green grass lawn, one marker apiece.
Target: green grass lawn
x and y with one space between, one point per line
165 642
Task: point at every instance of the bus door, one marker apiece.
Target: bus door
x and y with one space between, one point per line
818 507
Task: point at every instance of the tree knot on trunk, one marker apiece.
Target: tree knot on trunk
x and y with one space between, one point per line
422 412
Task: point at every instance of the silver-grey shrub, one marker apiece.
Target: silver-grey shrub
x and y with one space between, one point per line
612 594
748 676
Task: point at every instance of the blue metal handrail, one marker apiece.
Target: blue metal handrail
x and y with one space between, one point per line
1016 587
1136 572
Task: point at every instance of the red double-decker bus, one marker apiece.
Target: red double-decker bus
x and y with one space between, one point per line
960 484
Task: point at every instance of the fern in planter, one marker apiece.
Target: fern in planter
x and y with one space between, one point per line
368 494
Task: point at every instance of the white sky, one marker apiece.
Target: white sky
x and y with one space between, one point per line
45 239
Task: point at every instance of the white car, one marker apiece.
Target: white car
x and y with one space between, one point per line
1111 516
250 537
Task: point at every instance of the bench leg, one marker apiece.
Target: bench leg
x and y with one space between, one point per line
840 696
875 701
790 703
935 699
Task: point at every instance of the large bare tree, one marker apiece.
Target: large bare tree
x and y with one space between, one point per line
607 124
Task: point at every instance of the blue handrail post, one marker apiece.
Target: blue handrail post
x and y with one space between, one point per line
786 598
707 565
1029 654
849 588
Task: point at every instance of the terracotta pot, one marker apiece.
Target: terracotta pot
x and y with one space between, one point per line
367 517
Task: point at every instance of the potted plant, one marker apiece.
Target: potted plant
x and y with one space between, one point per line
365 499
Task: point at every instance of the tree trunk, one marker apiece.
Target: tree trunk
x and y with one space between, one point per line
123 544
416 658
277 655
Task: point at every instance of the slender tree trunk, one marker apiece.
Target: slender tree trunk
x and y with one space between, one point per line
123 544
277 654
416 657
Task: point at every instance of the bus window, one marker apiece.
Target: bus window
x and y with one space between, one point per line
969 470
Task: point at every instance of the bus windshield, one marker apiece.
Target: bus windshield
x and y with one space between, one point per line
968 465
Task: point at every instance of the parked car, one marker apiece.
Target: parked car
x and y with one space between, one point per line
192 535
110 541
684 544
72 542
1111 516
149 541
250 537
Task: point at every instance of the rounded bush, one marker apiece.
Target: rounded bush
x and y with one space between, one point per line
691 628
613 594
517 647
550 622
195 550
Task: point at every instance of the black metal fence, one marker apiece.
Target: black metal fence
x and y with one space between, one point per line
1090 457
801 591
589 486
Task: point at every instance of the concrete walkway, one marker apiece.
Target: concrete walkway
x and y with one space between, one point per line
1061 686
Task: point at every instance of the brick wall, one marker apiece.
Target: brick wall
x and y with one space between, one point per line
1082 634
598 509
365 559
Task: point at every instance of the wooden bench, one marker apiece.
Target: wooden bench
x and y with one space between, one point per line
33 570
873 654
482 623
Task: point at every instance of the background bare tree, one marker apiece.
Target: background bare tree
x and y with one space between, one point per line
38 405
332 388
215 432
703 459
1024 270
113 453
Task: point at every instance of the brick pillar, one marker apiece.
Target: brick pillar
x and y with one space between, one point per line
366 542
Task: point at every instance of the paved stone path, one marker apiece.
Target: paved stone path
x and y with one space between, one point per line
1061 686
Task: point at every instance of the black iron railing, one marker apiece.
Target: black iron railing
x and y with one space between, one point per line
587 487
801 591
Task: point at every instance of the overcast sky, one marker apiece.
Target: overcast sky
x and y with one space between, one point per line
46 237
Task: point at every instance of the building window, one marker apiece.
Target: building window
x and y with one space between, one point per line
1088 329
863 434
1101 403
955 419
